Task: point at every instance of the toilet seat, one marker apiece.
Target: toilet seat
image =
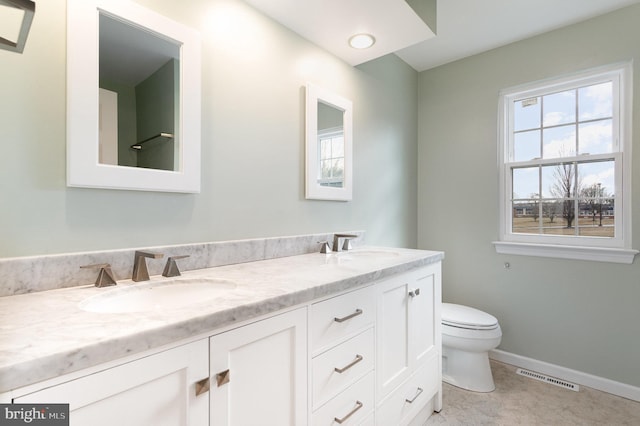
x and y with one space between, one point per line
468 318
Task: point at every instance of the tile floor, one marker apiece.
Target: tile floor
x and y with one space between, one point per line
520 400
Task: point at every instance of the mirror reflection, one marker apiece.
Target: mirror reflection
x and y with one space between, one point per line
330 146
139 75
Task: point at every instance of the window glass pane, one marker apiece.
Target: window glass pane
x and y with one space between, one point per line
595 137
551 213
597 218
325 148
526 145
597 179
559 108
525 217
595 101
564 218
526 114
559 181
337 146
525 182
325 169
338 167
559 142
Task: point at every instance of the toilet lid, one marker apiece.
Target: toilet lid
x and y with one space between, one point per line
466 317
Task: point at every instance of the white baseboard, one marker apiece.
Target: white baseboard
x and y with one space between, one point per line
589 380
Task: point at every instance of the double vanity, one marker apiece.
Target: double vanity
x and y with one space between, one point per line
349 337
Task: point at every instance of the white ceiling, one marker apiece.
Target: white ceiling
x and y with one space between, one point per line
464 27
330 24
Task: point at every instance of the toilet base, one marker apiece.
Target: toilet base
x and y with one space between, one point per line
467 370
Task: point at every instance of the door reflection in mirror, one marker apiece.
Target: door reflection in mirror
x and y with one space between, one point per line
330 146
139 75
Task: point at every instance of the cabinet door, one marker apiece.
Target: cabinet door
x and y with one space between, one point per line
259 373
408 325
393 334
156 390
424 302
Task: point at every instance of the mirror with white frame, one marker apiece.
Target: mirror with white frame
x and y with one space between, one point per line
329 140
133 98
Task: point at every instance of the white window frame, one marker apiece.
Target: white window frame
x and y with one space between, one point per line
617 249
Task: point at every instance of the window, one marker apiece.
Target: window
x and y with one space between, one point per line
565 167
331 155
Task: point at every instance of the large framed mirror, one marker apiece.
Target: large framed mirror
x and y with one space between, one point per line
329 141
133 98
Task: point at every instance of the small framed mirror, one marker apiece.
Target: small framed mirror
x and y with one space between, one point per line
329 140
133 98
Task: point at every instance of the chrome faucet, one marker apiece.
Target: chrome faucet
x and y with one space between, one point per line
347 242
140 271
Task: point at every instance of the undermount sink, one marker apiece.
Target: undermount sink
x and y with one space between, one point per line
159 295
367 253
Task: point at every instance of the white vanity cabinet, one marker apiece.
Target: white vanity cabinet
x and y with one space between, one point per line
157 390
408 345
365 356
259 373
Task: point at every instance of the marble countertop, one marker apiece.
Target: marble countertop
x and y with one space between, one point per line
46 334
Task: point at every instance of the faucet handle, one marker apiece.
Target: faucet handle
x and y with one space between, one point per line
325 247
347 243
171 267
105 276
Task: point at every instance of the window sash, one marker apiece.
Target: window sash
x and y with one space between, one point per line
621 95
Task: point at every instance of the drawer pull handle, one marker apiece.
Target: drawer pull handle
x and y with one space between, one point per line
414 293
346 367
410 401
348 317
358 406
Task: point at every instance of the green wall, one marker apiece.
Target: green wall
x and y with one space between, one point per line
253 76
578 314
157 103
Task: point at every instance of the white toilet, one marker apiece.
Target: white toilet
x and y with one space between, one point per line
468 335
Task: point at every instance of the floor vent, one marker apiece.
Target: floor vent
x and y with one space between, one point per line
547 379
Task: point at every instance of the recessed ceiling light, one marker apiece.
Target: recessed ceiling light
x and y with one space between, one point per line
362 41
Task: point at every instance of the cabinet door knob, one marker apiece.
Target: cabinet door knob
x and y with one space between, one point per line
358 406
348 317
203 386
351 364
223 377
414 293
410 401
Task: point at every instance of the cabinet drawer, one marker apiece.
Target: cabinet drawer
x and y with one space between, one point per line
357 399
419 388
338 368
335 319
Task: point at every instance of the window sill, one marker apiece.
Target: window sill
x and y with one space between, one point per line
597 254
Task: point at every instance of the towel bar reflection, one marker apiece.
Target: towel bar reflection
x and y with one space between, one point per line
160 137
